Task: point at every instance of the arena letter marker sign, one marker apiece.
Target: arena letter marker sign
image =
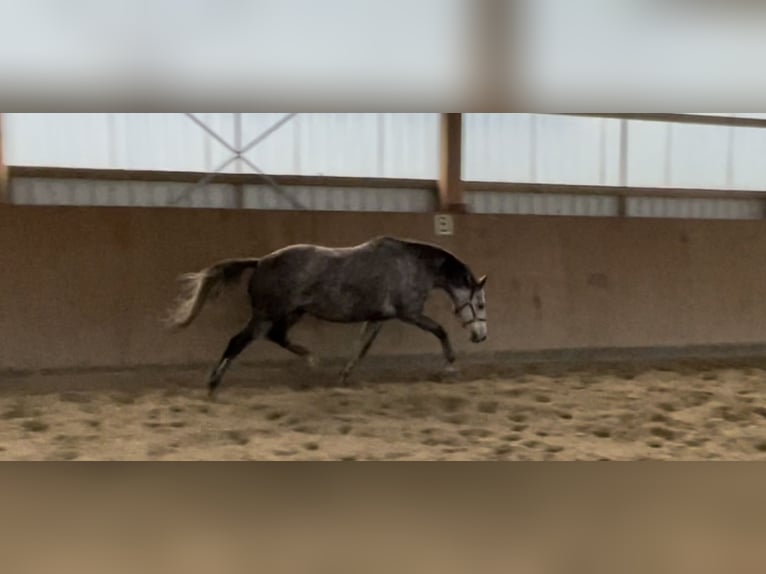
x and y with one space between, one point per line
444 224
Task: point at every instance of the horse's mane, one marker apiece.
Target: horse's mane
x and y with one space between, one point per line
447 263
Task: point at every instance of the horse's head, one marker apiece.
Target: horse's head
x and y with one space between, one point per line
471 307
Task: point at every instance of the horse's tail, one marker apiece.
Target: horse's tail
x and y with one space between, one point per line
206 284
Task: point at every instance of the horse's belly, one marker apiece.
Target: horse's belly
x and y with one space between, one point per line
352 310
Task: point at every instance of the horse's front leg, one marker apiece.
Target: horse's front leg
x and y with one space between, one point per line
370 331
428 324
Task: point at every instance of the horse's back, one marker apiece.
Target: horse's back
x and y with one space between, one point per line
372 279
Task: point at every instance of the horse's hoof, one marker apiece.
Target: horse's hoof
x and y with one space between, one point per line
344 381
449 373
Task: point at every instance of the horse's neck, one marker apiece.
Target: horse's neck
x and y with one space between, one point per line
443 282
443 267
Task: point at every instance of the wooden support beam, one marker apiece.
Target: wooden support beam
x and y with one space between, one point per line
489 63
622 201
450 159
716 120
4 183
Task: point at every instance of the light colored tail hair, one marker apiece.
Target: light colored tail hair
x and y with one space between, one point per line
204 285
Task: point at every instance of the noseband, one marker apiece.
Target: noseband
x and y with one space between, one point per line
475 319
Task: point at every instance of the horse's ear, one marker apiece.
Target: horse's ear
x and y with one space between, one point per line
482 281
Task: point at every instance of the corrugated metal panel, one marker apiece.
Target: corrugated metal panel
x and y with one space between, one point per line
605 206
366 145
39 191
541 204
694 208
342 199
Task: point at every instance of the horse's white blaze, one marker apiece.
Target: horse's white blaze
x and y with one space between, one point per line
479 325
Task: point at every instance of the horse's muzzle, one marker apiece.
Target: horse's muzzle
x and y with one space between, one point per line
478 338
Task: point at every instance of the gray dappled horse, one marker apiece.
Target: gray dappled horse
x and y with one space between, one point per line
381 279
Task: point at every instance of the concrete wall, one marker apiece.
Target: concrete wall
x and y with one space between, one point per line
87 287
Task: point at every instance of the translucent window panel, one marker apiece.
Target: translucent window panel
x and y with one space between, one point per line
339 144
648 154
498 147
748 169
169 141
365 145
696 156
577 150
548 148
540 148
56 139
410 145
121 141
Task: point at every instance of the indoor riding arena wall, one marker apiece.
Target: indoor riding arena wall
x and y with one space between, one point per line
87 287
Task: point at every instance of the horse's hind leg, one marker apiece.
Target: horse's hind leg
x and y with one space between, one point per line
236 345
369 333
278 334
